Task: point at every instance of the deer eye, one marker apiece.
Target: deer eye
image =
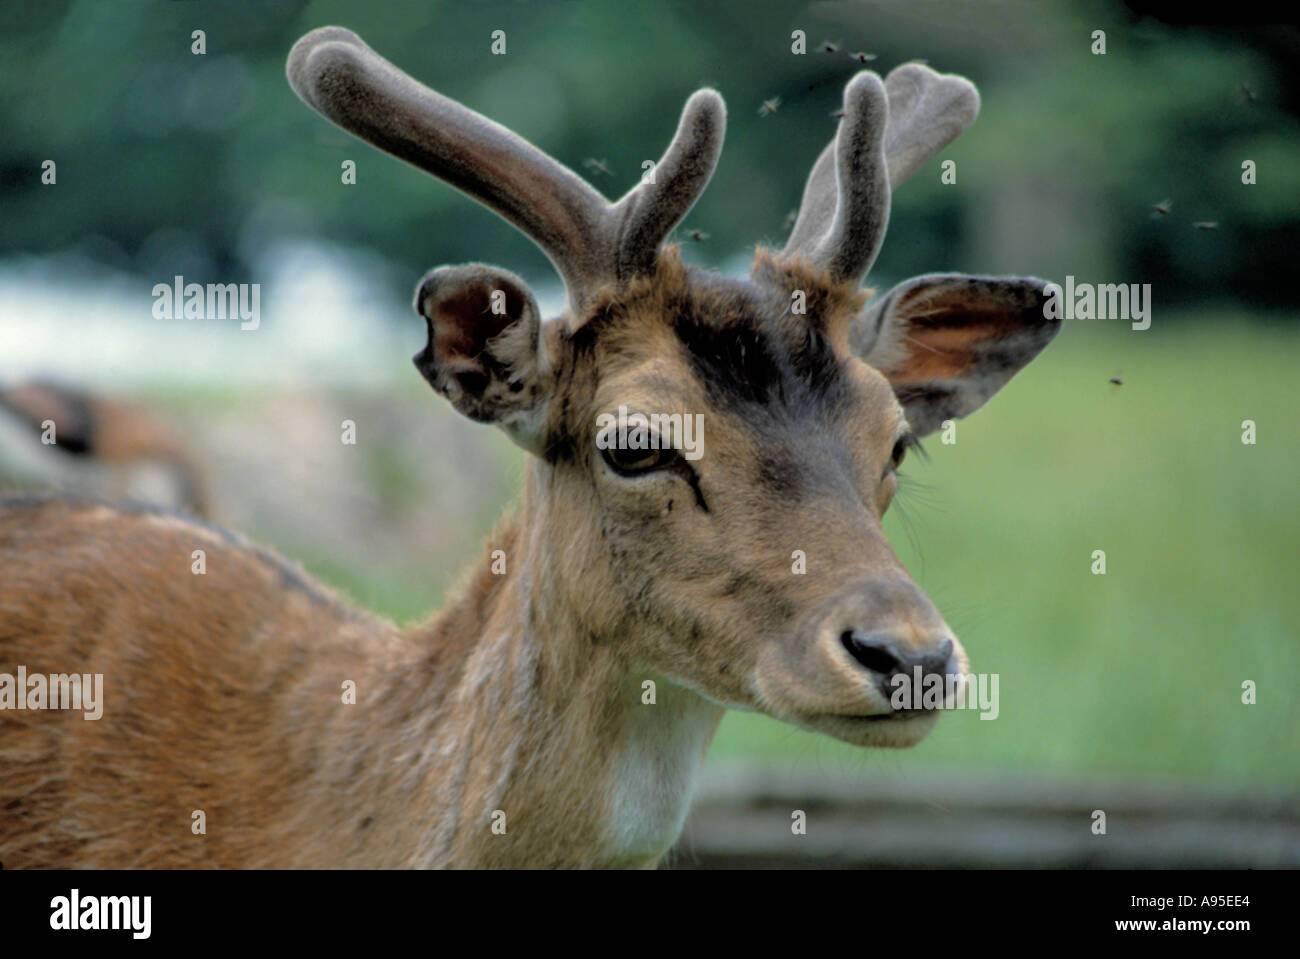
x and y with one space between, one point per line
900 451
627 461
901 447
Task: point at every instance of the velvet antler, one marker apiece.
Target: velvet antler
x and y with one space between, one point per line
889 130
590 240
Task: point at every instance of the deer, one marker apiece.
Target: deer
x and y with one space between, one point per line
56 435
557 711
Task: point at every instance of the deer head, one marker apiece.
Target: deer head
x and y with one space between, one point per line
686 566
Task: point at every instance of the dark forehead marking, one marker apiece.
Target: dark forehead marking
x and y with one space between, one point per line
750 353
735 362
748 348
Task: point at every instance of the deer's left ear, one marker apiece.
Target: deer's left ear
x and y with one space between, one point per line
485 351
948 342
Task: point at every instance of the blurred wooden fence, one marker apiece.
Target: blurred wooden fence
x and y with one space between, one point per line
743 814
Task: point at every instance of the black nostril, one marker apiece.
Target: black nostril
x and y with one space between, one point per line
873 653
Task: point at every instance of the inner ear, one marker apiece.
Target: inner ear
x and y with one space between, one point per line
948 342
484 346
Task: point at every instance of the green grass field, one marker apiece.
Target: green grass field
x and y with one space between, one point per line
1136 671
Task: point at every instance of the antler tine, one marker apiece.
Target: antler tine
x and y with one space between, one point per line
818 203
650 210
589 240
927 111
850 236
336 74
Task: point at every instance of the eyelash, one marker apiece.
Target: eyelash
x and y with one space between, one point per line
905 442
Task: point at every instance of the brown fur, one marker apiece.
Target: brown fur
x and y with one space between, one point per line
228 699
223 691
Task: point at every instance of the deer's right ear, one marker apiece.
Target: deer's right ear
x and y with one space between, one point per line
484 347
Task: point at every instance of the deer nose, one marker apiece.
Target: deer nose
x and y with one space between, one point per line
886 656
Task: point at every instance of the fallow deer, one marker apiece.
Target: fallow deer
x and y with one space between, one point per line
78 441
520 706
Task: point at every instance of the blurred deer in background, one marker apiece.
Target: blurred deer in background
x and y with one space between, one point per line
55 436
514 728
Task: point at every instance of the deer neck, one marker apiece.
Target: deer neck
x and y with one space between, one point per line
542 748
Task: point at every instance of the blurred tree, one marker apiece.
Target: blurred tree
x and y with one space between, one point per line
172 162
